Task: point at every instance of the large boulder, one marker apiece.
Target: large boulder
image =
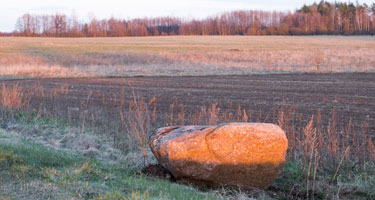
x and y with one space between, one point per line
244 155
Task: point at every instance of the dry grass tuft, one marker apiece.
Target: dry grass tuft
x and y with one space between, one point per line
38 71
137 121
13 97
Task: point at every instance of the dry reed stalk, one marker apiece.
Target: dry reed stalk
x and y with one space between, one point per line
171 113
122 98
333 133
316 163
274 116
181 115
41 90
348 135
281 119
309 171
300 135
166 118
260 116
319 131
267 118
88 97
13 97
308 132
64 89
196 118
288 117
53 93
200 116
113 98
338 167
312 140
371 149
137 123
362 152
104 99
330 142
244 116
292 142
154 102
239 113
213 115
354 143
250 114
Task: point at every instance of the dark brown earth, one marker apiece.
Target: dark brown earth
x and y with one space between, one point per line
97 100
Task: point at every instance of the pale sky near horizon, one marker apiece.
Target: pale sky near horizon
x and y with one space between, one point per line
10 10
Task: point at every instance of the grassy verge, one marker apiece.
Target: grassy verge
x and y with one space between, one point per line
31 171
351 182
42 158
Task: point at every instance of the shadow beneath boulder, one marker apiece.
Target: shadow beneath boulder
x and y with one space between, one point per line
158 171
214 175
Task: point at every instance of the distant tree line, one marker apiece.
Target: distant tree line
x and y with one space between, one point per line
318 18
6 34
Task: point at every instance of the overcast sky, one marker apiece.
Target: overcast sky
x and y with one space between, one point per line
10 10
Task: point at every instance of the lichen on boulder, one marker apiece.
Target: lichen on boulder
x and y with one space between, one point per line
244 155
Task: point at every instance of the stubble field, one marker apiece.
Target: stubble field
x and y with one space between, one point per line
184 56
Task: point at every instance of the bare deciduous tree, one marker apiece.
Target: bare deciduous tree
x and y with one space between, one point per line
318 18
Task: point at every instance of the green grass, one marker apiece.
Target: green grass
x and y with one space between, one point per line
53 174
68 176
56 174
29 119
48 173
39 156
352 182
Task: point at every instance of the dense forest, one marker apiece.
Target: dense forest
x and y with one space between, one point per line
318 18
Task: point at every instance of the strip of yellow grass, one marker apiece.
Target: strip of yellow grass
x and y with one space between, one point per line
40 71
185 55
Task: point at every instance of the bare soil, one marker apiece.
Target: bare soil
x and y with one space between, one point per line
88 99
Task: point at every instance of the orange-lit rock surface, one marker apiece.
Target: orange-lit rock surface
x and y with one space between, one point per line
233 154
